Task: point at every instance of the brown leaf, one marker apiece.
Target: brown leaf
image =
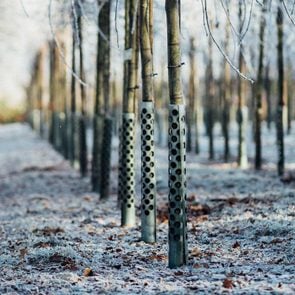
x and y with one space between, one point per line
87 198
43 245
196 252
87 272
236 245
199 209
23 252
228 283
66 262
232 200
47 231
158 257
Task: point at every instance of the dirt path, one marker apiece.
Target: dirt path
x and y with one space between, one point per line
52 228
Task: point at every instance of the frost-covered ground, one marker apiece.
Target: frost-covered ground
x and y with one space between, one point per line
56 237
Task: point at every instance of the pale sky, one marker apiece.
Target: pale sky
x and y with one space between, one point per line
24 27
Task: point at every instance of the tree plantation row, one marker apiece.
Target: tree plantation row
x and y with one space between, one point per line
64 109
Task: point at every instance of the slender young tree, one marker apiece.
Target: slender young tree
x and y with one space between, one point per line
178 251
29 105
127 164
105 168
280 125
259 90
82 119
73 147
226 97
242 112
40 88
33 98
289 96
267 89
192 104
99 101
210 94
63 115
148 178
53 134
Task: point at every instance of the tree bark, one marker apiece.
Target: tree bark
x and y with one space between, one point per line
226 97
280 127
242 112
267 87
82 121
73 132
106 148
259 90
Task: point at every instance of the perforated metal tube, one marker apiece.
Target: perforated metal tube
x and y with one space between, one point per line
148 178
177 187
127 172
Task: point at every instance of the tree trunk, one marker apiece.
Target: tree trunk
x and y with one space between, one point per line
210 101
280 127
82 119
63 115
73 131
267 87
106 148
98 107
192 109
226 98
242 112
53 94
40 89
289 97
259 90
178 251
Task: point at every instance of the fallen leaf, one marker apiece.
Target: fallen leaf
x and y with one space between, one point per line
87 272
228 283
196 252
23 252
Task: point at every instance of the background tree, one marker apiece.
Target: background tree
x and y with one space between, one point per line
226 97
83 118
73 141
280 125
259 90
104 23
242 112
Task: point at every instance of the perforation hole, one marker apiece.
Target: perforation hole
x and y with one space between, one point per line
177 224
177 237
178 198
175 112
174 125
